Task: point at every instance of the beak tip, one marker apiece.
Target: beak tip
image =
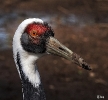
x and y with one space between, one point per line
87 67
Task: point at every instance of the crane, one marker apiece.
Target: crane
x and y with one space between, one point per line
33 39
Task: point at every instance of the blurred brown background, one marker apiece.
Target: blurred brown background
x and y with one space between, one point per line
81 25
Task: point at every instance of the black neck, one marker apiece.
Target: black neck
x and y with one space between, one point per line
30 92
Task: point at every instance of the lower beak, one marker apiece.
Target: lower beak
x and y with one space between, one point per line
56 48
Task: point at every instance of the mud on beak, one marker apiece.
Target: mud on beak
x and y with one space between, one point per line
56 48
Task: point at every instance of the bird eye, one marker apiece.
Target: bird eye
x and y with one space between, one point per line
33 33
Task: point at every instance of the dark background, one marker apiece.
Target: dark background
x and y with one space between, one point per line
81 25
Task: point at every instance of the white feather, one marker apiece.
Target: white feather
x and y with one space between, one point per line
27 59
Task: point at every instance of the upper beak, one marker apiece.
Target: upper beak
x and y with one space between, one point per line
56 48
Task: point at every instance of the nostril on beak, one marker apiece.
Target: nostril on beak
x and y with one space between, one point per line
62 49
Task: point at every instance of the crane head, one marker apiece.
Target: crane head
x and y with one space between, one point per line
37 37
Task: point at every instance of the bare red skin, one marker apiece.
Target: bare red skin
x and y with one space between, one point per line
38 28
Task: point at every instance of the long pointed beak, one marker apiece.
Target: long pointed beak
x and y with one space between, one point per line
56 48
